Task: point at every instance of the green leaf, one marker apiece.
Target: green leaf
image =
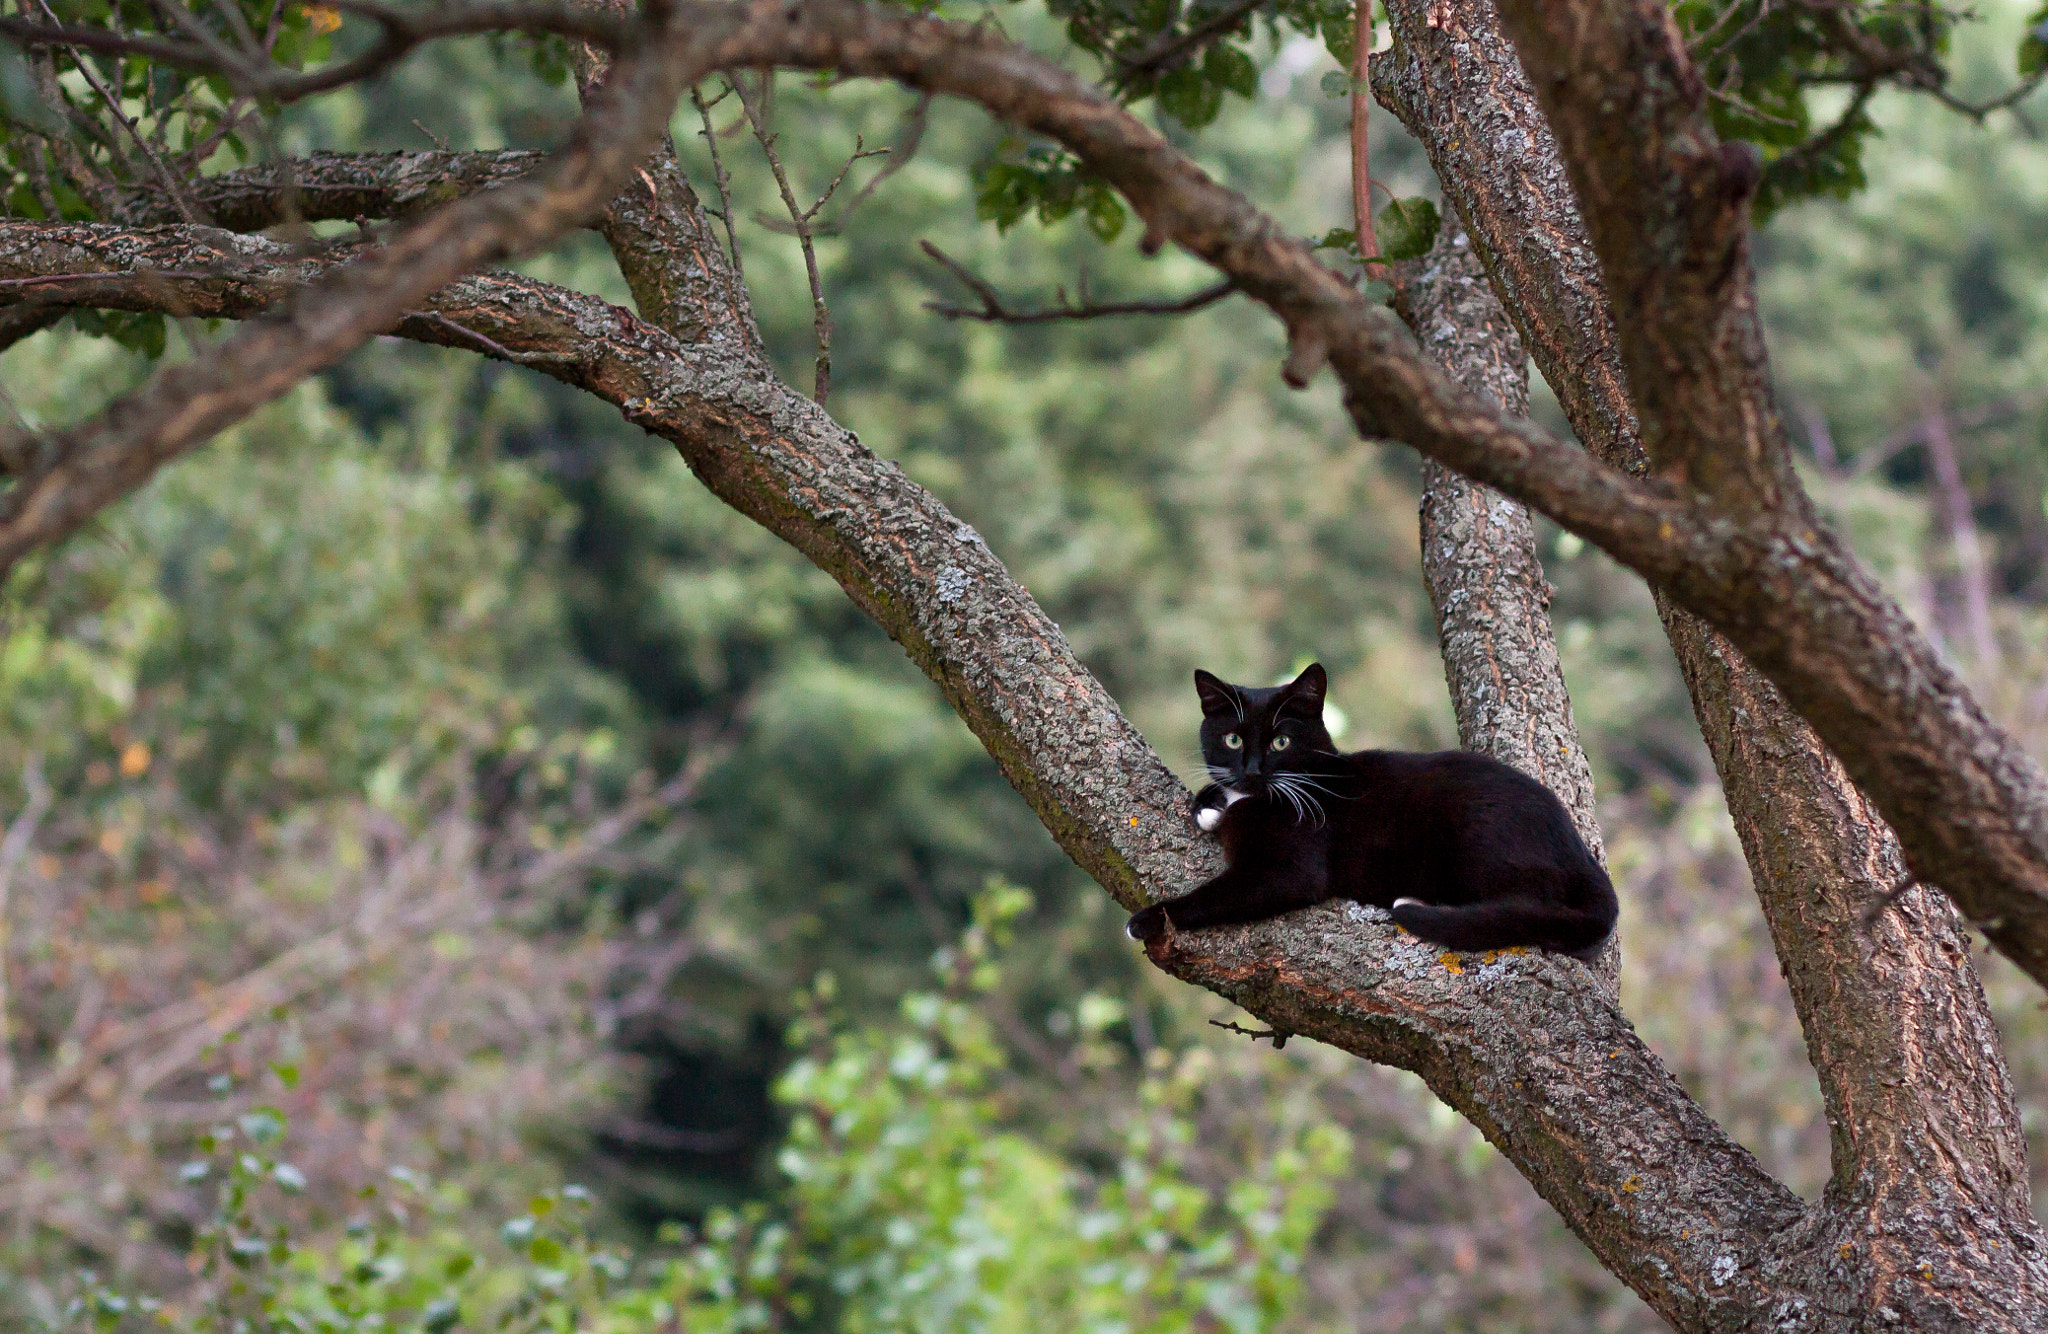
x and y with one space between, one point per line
1189 98
1105 212
1228 67
2034 46
1407 228
1004 193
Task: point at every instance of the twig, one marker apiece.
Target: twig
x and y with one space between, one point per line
821 318
1168 50
993 311
1278 1035
1361 144
735 276
1796 160
820 229
899 157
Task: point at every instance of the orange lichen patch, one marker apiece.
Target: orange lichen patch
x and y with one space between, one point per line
1847 1250
1632 1185
1489 956
1614 1056
1516 949
1451 964
1134 822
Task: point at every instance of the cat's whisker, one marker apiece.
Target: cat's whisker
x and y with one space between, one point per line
1305 805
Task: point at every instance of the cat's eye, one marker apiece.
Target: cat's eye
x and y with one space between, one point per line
1279 743
1233 741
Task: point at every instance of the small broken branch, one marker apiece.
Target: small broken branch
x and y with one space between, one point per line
1279 1036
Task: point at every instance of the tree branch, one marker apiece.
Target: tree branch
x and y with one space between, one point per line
1669 208
1486 583
342 187
1820 856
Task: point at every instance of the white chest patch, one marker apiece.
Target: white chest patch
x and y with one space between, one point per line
1210 816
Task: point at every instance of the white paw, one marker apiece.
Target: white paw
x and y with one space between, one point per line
1209 817
1399 903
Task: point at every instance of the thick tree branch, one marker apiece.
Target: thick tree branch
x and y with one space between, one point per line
1486 583
1669 210
335 187
662 239
1872 1002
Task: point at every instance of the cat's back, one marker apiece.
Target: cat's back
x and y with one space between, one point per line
1455 788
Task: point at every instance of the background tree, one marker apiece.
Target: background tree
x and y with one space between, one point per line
1693 488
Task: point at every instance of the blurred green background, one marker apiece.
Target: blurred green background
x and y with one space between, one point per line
435 737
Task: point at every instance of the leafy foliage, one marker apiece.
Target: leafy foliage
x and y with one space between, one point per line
911 1208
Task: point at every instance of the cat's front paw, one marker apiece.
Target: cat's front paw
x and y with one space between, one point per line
1148 924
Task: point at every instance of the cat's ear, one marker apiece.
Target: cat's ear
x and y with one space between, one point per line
1217 696
1305 692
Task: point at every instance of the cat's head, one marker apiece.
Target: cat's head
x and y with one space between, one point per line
1249 734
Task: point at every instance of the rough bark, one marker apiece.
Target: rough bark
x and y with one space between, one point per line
1479 561
322 187
1872 1000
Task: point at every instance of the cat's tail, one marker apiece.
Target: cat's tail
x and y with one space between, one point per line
1504 923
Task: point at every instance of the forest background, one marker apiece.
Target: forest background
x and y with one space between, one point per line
432 759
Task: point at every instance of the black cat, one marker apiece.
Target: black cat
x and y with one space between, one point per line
1466 852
